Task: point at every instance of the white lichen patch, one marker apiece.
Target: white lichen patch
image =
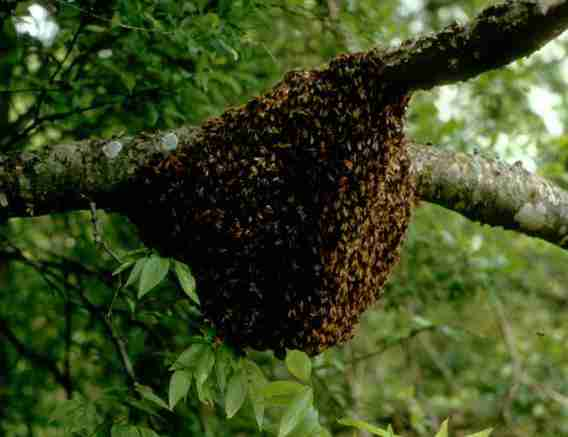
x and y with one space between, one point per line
112 149
454 172
169 142
531 216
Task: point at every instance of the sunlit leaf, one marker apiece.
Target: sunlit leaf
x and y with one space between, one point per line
154 271
147 393
135 272
281 392
186 280
257 381
223 366
295 411
190 357
123 267
443 432
299 365
204 366
364 426
205 392
179 386
484 433
309 425
236 393
255 375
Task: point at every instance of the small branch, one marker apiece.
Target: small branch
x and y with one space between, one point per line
118 343
492 192
396 342
510 342
97 233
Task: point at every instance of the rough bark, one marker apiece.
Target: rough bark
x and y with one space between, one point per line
66 177
492 192
497 36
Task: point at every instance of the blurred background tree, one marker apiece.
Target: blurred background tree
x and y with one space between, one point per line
471 326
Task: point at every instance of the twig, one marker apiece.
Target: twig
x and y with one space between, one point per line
413 333
97 232
509 338
117 341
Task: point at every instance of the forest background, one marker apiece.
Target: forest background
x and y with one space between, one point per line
471 325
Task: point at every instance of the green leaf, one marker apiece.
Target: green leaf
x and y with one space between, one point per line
154 271
179 386
364 426
122 267
189 358
258 405
299 365
485 433
135 272
124 431
128 80
309 425
223 366
205 393
281 392
443 432
186 280
236 393
257 381
136 254
147 393
255 375
204 367
296 411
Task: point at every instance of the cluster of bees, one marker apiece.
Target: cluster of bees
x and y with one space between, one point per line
291 209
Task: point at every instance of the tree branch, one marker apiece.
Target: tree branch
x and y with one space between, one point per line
492 192
499 35
484 190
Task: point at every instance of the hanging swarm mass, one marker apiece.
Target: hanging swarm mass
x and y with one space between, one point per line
291 209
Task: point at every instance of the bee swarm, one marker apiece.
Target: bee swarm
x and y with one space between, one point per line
291 209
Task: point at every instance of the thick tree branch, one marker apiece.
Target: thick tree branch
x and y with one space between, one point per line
492 192
497 36
488 191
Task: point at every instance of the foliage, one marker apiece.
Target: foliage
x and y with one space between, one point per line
470 327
